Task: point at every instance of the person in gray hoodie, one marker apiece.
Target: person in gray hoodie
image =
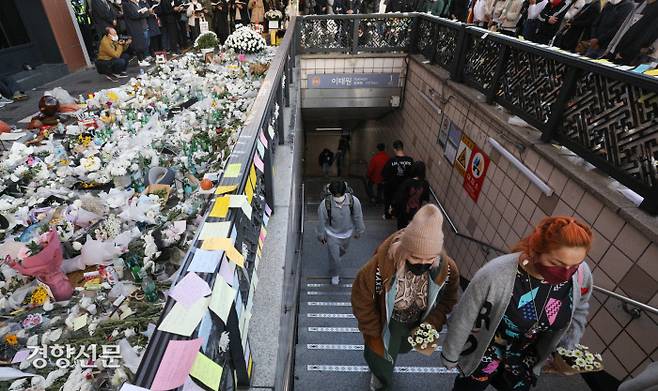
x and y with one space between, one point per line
338 223
520 307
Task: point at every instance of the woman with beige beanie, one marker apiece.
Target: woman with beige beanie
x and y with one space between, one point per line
410 280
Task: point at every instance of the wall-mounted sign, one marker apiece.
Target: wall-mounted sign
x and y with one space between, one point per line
475 173
464 152
454 138
350 80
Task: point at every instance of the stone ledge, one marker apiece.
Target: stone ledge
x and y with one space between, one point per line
590 178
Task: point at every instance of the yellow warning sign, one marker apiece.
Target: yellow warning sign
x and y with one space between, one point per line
464 154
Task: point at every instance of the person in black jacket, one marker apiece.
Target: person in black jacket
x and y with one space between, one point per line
579 27
325 160
155 34
412 195
136 17
169 26
606 26
459 10
396 171
221 20
103 15
637 41
549 20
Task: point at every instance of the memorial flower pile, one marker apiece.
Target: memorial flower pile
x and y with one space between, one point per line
246 40
273 15
580 359
101 212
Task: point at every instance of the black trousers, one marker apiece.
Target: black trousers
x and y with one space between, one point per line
115 65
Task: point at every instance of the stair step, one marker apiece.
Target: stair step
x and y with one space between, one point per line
330 315
329 346
329 303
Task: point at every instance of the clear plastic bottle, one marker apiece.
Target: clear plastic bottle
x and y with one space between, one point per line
148 287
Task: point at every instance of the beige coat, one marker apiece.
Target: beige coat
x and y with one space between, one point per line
257 11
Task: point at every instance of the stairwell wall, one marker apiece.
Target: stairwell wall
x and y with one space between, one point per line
624 258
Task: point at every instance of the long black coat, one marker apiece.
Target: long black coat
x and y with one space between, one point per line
136 24
641 35
608 23
580 27
154 28
221 20
103 14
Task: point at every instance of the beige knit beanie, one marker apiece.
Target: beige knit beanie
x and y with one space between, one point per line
423 237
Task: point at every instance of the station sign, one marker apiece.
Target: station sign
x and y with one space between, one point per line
352 80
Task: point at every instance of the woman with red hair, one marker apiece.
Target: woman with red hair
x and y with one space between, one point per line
520 307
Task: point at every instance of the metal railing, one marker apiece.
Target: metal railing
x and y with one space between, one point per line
606 115
266 112
634 312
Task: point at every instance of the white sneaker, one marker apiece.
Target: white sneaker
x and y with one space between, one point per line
375 384
144 63
335 280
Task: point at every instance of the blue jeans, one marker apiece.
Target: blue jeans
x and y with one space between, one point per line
115 65
7 87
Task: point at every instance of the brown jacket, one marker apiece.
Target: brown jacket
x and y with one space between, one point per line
369 297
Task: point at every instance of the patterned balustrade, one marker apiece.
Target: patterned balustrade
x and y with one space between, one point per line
607 116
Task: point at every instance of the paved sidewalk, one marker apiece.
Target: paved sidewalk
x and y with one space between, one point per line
81 82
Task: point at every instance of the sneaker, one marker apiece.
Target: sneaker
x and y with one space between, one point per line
124 73
375 384
144 63
110 78
335 280
119 76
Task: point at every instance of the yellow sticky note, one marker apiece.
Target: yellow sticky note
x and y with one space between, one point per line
183 321
225 189
233 170
222 298
249 191
652 72
80 322
206 371
226 245
214 230
220 208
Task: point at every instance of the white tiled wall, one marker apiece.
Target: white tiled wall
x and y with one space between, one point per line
342 64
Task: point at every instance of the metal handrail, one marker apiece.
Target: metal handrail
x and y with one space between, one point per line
633 312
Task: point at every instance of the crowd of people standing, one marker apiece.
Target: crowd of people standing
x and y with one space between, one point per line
622 31
172 25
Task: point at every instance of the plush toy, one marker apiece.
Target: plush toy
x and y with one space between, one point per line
93 252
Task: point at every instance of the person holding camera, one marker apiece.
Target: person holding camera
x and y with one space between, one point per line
112 61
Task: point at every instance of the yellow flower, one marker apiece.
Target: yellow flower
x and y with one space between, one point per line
11 339
39 296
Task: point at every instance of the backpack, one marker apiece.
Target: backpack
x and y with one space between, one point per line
326 196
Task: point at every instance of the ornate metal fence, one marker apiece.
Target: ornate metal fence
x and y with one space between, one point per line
606 115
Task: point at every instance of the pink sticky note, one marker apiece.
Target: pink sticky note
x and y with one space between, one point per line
20 356
190 385
190 289
263 139
268 210
227 270
176 364
258 162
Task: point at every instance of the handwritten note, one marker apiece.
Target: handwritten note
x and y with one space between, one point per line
190 289
241 201
130 387
183 321
227 270
204 261
233 170
263 139
222 298
226 245
215 230
261 148
176 364
206 371
190 385
268 210
20 356
258 162
220 208
225 189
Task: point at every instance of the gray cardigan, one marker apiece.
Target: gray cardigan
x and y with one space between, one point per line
476 316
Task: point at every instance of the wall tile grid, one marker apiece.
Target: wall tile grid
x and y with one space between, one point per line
327 64
622 258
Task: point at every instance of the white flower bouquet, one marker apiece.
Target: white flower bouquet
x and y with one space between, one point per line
246 40
273 15
574 361
424 338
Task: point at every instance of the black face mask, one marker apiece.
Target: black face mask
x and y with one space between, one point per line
418 268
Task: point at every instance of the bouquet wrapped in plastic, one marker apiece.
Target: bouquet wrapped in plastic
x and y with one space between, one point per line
574 361
424 338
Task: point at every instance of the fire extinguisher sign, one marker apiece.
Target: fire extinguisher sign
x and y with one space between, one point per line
476 172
